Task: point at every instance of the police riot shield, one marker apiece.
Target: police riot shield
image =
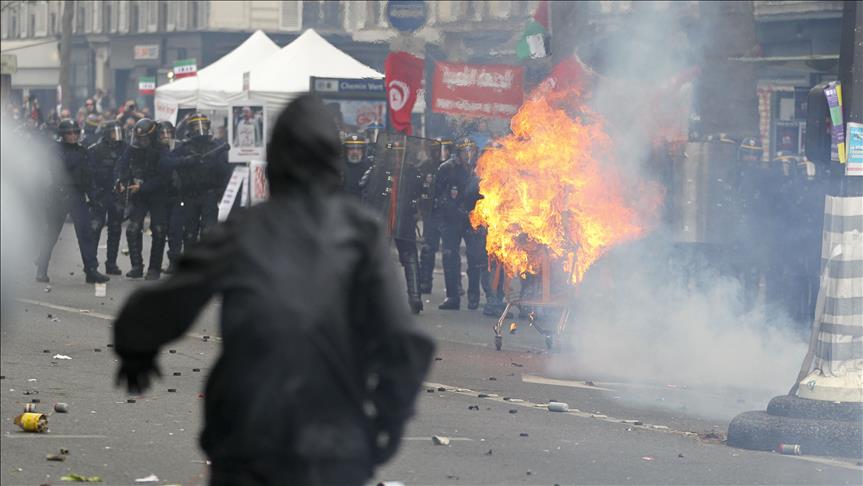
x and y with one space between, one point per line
401 184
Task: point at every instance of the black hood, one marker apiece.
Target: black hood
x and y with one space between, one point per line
304 147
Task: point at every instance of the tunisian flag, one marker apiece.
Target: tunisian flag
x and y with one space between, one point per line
404 75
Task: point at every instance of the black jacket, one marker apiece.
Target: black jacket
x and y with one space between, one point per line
69 171
202 167
103 158
310 308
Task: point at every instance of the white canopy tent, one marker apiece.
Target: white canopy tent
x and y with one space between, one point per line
220 81
285 75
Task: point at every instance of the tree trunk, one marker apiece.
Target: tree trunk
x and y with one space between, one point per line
66 53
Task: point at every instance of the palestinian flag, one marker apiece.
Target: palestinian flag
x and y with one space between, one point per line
533 43
185 68
147 85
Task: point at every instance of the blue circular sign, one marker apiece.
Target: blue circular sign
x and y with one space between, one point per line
407 15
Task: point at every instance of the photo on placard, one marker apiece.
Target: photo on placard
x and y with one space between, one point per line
247 131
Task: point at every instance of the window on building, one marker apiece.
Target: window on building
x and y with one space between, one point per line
374 14
291 15
79 20
31 28
106 18
52 24
133 18
311 13
163 16
193 18
331 15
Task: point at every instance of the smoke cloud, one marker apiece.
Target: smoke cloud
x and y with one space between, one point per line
655 311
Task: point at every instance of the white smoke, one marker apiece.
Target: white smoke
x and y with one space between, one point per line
652 312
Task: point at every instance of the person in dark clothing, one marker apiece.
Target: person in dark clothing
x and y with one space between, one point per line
175 204
144 171
458 189
355 164
203 170
67 196
105 207
432 229
309 309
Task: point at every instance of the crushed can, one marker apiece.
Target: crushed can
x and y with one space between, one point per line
32 422
789 449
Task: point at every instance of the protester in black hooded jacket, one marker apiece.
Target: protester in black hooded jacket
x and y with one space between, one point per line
321 362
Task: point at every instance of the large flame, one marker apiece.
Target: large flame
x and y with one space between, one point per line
551 189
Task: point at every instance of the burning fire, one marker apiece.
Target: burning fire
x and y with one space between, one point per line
551 188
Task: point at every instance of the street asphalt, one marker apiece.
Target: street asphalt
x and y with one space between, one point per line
489 403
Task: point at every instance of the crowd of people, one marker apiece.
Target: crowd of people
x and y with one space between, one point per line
126 167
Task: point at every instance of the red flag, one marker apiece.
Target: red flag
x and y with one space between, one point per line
404 76
541 14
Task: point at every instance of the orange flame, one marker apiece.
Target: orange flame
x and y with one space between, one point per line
551 188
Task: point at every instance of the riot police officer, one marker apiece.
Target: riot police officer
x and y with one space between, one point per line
751 250
203 171
103 158
432 227
142 177
393 186
175 205
67 196
355 164
458 189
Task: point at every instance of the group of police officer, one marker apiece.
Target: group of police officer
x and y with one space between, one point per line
119 178
447 181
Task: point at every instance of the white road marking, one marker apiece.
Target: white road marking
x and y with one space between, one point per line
88 312
429 439
551 381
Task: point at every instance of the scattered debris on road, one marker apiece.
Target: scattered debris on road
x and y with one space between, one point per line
647 458
789 449
60 457
589 383
489 452
148 479
523 434
440 440
81 479
517 365
59 356
61 407
512 410
473 407
558 407
32 422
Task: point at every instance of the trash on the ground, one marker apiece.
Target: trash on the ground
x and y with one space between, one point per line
130 400
523 434
55 457
46 350
172 390
430 390
438 358
660 427
491 378
647 458
205 338
441 388
482 395
81 479
473 407
489 452
47 289
101 290
517 365
462 390
680 455
196 370
30 392
61 407
177 373
631 421
513 327
440 440
60 356
589 383
148 479
35 400
452 476
512 410
598 415
109 345
789 449
172 351
29 407
32 422
558 407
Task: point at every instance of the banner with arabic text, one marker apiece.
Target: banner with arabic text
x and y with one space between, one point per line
481 90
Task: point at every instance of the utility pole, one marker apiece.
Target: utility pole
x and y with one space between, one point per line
66 53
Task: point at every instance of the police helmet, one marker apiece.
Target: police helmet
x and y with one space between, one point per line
144 133
67 126
445 148
111 131
198 126
466 150
750 150
354 148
